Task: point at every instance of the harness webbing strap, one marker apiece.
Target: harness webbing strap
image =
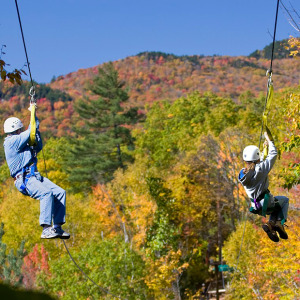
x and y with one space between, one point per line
32 140
29 172
269 101
265 205
260 207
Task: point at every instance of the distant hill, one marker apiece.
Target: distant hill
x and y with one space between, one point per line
280 51
8 90
152 76
155 55
149 77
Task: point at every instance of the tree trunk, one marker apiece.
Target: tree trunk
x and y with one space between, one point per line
176 288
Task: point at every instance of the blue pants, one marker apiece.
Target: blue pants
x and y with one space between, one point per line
52 198
283 213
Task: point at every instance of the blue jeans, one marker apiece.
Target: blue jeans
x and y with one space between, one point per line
52 198
283 213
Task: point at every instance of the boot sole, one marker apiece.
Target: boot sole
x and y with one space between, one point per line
271 236
50 238
64 237
283 235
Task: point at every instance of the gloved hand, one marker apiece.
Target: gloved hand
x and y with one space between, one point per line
31 105
268 135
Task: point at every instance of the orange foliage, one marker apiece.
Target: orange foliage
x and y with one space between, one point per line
34 263
173 77
110 214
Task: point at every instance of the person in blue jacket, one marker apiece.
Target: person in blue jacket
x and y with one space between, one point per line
254 178
22 162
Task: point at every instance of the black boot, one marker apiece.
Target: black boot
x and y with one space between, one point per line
269 228
280 229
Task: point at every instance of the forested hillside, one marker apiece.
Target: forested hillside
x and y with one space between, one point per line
148 149
153 76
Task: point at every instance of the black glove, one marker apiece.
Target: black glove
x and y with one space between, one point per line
269 133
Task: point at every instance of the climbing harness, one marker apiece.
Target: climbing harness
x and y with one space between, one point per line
259 205
27 172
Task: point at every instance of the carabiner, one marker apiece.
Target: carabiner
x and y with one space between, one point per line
32 95
269 73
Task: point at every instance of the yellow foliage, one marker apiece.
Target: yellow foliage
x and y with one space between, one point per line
164 272
20 215
294 46
53 172
130 192
268 267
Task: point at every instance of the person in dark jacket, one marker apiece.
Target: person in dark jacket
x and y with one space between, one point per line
254 178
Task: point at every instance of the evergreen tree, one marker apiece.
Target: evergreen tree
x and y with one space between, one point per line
11 264
102 142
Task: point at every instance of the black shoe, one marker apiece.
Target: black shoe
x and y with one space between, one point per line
268 228
61 233
280 229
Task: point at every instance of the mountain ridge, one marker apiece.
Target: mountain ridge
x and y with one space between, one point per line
152 76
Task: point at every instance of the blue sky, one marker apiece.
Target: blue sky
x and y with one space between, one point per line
63 36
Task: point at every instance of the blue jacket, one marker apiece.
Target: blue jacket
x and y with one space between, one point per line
18 153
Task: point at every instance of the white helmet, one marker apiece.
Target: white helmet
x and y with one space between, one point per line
251 153
12 124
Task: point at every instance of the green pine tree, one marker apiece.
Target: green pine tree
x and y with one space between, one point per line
103 142
11 264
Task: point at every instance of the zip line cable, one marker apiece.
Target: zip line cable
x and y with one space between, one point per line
24 44
32 94
274 35
101 288
269 72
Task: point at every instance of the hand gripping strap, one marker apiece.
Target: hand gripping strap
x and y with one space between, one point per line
268 102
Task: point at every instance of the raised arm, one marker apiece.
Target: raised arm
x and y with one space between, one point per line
22 140
268 163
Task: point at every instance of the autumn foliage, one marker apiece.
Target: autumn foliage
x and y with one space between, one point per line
154 228
35 263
